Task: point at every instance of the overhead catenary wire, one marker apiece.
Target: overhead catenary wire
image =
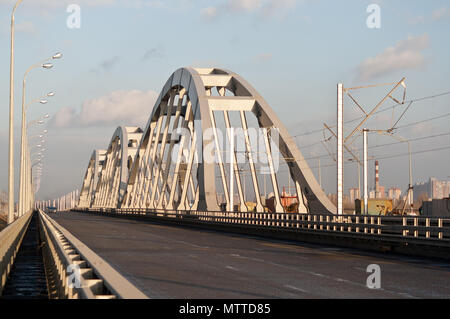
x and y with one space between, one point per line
387 144
378 158
388 108
397 128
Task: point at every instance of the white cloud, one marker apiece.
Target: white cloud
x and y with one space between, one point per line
437 15
244 5
122 107
405 55
63 117
209 13
440 14
152 53
107 65
26 27
59 3
263 57
416 20
49 4
265 7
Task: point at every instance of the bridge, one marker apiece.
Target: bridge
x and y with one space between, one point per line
166 211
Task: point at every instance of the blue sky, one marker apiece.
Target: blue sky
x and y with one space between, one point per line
292 52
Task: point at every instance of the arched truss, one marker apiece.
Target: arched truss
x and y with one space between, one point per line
171 171
112 183
91 178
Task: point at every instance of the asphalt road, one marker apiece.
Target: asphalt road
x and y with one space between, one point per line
179 262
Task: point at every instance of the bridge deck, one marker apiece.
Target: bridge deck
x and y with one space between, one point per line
178 262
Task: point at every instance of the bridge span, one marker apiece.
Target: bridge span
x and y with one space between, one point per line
167 261
161 215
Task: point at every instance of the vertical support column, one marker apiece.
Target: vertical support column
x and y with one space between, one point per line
366 207
219 159
278 207
231 169
259 206
159 167
168 162
175 179
143 168
320 176
241 193
143 196
377 180
340 142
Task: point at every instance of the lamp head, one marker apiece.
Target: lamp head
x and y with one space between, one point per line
47 65
57 56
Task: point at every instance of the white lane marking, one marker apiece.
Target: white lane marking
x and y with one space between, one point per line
190 244
232 268
324 276
167 239
342 280
316 274
407 295
296 288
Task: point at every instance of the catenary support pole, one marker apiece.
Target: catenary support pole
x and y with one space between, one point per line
366 207
340 142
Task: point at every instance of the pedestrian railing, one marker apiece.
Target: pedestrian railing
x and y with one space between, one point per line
432 228
81 273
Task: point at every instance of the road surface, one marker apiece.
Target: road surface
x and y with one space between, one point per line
178 262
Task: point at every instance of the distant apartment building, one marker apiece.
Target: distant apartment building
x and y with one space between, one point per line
345 199
380 194
354 194
434 189
394 193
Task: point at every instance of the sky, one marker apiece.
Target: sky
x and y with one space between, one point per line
294 52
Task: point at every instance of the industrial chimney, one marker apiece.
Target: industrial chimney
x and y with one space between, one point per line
377 181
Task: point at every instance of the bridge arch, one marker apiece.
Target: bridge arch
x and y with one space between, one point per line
113 179
90 179
172 171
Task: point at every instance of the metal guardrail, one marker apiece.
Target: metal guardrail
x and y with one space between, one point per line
81 273
10 240
435 230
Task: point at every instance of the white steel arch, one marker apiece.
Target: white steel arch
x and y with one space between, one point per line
90 180
171 171
112 183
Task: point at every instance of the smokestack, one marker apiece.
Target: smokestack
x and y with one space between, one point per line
377 181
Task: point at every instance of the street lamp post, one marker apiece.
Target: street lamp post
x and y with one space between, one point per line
27 175
11 123
44 65
23 141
